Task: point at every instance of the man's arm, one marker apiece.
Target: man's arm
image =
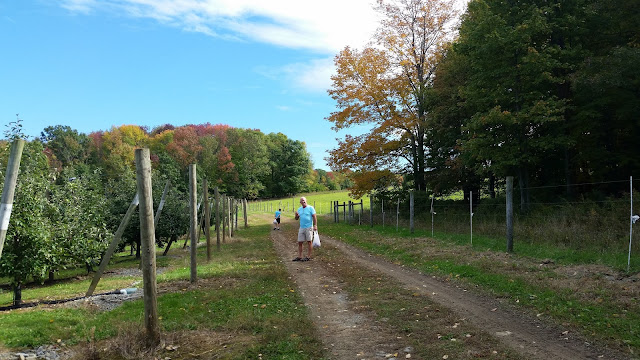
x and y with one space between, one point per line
315 222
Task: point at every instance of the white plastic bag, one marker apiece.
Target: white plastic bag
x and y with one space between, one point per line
316 240
275 221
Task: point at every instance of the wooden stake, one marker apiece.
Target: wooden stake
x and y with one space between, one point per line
207 217
113 245
224 218
411 211
148 239
161 205
217 200
509 213
193 206
244 213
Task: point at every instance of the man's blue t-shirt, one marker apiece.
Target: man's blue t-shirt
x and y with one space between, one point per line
277 214
306 216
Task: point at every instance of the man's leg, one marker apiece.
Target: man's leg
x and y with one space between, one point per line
299 249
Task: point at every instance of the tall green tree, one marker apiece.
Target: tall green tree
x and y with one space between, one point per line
606 93
289 164
248 149
512 87
25 254
78 215
65 145
174 218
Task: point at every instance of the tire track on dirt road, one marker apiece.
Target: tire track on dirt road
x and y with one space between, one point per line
352 335
522 332
345 333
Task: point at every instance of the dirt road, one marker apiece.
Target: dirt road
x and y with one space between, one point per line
352 335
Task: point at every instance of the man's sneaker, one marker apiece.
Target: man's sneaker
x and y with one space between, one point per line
297 259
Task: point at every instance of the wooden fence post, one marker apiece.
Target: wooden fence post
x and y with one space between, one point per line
224 218
371 210
244 213
217 200
193 206
148 240
8 192
207 217
344 212
432 214
411 211
509 213
230 217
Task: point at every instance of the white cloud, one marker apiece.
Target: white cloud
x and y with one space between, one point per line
79 6
311 76
283 108
322 26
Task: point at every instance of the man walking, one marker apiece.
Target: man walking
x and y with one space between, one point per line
277 224
308 225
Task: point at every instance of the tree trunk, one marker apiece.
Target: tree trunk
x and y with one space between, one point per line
420 180
492 185
51 276
17 295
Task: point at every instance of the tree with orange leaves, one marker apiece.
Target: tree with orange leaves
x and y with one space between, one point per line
385 87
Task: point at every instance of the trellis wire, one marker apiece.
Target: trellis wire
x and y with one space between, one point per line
492 227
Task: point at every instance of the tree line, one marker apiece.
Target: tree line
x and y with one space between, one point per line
73 189
547 91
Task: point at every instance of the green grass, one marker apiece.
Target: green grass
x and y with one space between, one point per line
604 320
321 201
67 285
244 291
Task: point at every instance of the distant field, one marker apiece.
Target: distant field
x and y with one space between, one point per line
321 201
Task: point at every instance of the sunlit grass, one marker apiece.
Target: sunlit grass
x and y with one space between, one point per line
243 290
321 201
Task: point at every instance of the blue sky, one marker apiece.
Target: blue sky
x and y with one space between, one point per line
94 64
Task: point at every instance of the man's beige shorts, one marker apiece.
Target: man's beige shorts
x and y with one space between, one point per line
305 234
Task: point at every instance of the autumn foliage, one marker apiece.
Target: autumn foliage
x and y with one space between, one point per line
384 87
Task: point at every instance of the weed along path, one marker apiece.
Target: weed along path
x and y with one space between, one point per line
444 322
